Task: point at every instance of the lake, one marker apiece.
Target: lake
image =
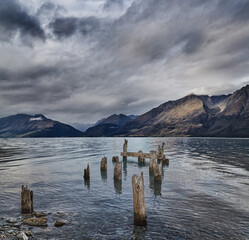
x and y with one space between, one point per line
204 193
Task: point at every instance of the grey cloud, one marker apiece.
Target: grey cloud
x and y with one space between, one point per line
64 27
67 26
111 4
13 18
88 25
46 7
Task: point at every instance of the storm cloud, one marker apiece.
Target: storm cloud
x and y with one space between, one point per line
14 17
102 57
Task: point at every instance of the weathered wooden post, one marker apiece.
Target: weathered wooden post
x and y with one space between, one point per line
153 156
141 158
159 150
103 166
115 159
140 216
157 171
162 148
27 205
118 171
125 145
87 172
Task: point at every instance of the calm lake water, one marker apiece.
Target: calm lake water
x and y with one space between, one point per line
204 193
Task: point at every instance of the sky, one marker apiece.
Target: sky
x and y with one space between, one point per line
78 61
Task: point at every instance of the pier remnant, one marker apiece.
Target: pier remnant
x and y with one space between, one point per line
153 156
103 166
118 171
141 155
140 216
87 172
115 159
157 171
27 205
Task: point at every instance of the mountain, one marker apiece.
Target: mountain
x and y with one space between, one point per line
108 126
192 115
23 125
132 116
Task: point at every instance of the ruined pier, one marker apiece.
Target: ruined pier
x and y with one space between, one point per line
159 155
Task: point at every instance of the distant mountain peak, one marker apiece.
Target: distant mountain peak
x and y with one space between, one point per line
24 125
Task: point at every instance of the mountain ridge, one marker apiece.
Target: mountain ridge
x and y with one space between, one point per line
190 116
193 115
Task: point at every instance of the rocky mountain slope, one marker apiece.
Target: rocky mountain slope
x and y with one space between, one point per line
108 126
193 115
23 125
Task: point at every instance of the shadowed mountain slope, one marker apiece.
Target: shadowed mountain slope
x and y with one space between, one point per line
23 125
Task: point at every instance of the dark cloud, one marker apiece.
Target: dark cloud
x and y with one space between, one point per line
64 27
14 17
88 25
4 74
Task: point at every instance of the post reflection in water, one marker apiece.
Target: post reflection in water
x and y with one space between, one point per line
141 164
155 185
87 183
125 167
118 186
139 231
103 175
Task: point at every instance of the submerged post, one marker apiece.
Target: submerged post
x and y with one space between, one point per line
115 159
153 156
157 171
118 171
27 205
87 172
103 165
140 216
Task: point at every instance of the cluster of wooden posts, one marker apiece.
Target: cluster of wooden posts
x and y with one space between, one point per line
157 158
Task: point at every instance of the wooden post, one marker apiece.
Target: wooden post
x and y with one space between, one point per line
118 171
27 205
153 156
125 145
162 148
87 172
141 158
157 171
103 166
140 216
115 159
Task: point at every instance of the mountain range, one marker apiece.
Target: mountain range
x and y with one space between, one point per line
192 115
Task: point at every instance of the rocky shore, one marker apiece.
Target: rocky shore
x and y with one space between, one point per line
28 226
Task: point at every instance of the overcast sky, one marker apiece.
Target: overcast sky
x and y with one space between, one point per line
77 61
